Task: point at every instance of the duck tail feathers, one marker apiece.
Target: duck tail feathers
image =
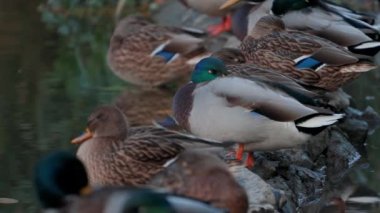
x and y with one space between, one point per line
315 123
369 48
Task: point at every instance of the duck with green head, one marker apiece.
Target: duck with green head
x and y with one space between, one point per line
312 60
150 55
258 113
323 18
62 186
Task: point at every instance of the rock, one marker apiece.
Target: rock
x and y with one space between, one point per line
317 144
265 168
260 194
305 184
341 155
357 130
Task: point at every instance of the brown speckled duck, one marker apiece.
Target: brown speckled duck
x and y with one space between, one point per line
115 154
313 60
336 100
203 176
146 54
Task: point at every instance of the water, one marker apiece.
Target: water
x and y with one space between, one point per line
47 89
50 82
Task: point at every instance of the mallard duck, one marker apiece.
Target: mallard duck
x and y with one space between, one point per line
315 61
258 113
146 54
205 177
115 154
336 23
211 8
62 186
336 100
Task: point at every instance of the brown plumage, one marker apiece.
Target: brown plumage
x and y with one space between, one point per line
337 100
204 177
115 154
134 52
270 45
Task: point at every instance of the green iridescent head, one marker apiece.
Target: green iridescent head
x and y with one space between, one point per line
208 69
281 7
57 175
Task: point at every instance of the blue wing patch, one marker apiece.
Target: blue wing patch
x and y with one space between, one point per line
168 56
309 63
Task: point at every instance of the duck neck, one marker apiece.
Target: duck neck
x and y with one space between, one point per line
183 104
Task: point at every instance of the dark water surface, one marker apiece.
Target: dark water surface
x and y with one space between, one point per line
49 83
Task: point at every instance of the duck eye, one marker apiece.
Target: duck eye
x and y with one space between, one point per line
212 72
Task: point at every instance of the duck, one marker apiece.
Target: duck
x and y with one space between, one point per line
62 185
116 154
149 55
212 8
337 100
257 113
313 60
341 25
202 176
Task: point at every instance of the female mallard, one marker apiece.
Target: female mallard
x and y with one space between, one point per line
260 114
115 154
62 185
205 177
336 23
337 100
313 60
146 54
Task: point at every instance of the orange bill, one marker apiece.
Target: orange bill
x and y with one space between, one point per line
85 190
84 137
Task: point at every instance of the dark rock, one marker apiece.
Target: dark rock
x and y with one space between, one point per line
306 184
356 130
317 144
341 155
265 168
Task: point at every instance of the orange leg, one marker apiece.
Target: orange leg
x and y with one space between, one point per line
217 29
240 152
250 162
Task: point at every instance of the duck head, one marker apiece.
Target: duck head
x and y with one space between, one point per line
208 69
105 121
280 7
58 175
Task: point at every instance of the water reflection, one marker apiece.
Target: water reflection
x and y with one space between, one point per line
49 84
46 92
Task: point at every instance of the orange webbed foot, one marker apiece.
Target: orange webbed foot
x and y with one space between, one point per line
240 152
250 162
217 29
